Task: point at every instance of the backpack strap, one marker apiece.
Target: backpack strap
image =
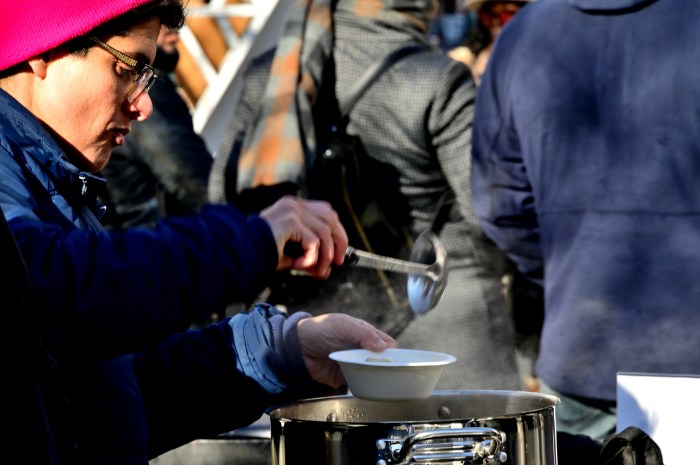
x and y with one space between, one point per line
366 80
373 72
442 210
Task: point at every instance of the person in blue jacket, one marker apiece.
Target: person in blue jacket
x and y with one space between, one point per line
35 413
585 167
111 309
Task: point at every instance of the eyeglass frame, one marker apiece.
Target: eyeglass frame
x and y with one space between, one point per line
140 67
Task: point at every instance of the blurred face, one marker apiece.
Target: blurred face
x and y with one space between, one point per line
82 98
168 54
495 15
167 39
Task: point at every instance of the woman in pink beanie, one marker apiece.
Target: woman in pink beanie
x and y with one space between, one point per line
116 375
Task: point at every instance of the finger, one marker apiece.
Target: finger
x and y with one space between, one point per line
310 244
322 236
390 341
338 238
326 252
371 338
380 341
302 231
338 235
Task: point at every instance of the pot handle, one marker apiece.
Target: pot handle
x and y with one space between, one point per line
475 445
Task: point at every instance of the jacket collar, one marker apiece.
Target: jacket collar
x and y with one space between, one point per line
38 143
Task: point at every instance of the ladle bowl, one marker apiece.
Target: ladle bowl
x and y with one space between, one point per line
427 271
424 292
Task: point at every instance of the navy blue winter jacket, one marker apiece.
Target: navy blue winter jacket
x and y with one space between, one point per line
109 306
586 160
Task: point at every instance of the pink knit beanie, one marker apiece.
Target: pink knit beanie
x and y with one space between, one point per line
31 27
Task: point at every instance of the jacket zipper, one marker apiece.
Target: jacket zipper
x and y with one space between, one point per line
83 179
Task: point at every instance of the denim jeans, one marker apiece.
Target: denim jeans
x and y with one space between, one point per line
575 417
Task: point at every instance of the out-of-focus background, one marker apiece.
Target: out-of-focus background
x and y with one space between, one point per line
221 36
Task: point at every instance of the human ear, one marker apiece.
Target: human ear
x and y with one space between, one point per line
38 64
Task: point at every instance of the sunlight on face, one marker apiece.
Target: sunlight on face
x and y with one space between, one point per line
82 99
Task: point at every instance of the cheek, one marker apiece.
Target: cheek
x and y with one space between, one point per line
80 99
79 120
80 110
70 99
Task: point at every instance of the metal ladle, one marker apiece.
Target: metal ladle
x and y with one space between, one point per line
427 273
426 270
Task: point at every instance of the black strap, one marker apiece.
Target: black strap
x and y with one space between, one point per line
374 71
366 80
633 445
442 210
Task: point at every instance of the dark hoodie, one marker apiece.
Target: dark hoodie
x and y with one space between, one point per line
585 165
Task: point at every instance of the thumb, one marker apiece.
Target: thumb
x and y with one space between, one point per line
376 340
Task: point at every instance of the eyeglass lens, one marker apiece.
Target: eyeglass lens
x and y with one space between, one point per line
143 81
142 84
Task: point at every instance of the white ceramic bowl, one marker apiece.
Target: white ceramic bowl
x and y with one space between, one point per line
392 375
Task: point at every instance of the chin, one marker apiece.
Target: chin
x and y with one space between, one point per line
95 162
99 164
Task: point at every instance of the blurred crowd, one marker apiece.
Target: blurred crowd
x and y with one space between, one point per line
536 139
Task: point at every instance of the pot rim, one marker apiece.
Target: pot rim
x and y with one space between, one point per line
281 412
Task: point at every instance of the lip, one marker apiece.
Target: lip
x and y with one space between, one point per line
119 135
123 131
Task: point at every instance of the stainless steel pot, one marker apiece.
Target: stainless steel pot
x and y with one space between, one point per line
456 427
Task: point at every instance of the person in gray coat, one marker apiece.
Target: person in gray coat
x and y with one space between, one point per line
414 123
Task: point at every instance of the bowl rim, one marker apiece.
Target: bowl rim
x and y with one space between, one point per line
342 356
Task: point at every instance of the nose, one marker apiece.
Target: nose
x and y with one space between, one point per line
142 107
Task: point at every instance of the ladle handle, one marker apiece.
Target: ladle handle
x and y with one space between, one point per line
354 257
363 259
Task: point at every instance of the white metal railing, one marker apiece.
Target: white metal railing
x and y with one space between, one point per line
213 109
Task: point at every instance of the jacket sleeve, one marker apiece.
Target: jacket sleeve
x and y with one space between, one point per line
502 193
195 386
450 122
115 291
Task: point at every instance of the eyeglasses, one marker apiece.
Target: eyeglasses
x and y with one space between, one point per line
145 74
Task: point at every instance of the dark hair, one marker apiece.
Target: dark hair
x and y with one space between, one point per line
171 13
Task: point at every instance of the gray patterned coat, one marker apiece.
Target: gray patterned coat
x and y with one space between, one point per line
416 118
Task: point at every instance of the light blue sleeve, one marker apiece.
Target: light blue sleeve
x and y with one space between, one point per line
267 349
